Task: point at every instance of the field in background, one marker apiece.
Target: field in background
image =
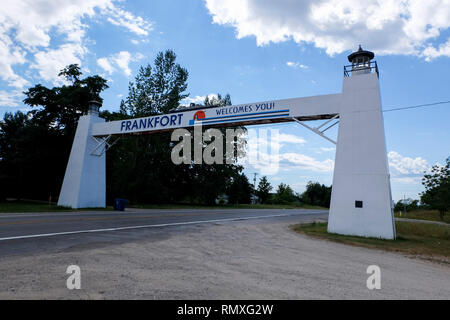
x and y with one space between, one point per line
431 241
431 215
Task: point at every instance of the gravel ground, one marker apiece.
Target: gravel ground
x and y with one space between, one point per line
246 260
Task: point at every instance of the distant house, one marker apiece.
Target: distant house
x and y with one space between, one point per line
222 199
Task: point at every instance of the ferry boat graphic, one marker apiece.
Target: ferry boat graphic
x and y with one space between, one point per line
199 115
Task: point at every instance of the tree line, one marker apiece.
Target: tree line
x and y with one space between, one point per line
316 194
35 145
436 195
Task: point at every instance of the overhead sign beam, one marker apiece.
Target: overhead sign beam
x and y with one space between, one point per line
310 108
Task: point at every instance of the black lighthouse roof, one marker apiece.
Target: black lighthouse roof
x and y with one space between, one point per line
361 53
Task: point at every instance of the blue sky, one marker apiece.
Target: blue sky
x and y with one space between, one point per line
256 51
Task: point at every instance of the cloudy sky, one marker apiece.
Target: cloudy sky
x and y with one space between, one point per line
255 50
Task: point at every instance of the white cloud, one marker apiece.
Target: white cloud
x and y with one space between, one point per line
290 138
263 153
385 26
136 25
122 60
301 161
197 99
296 65
28 28
401 165
50 62
105 64
271 139
270 164
324 150
119 60
9 99
10 56
408 180
432 53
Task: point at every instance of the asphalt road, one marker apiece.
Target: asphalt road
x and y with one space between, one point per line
198 254
22 233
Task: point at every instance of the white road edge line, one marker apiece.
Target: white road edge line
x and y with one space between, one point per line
106 213
145 226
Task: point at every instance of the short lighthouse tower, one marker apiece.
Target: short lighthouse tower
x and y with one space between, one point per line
84 184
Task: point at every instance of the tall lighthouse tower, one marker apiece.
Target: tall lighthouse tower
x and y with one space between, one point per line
361 200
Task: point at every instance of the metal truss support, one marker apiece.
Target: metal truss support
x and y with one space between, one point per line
321 132
103 144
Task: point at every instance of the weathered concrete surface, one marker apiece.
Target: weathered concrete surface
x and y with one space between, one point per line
260 259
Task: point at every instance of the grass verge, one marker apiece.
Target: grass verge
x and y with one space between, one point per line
28 207
430 215
428 241
238 206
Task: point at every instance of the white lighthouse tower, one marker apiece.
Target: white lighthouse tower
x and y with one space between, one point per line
361 201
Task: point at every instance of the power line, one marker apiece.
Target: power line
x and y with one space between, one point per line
418 106
387 110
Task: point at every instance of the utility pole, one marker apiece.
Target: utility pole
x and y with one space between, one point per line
254 187
404 204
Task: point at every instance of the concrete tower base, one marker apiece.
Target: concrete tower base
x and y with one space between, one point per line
361 200
84 183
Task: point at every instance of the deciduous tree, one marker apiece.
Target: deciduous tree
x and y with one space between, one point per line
437 189
35 146
264 188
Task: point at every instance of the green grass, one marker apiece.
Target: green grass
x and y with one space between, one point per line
430 215
13 207
26 207
240 206
419 239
